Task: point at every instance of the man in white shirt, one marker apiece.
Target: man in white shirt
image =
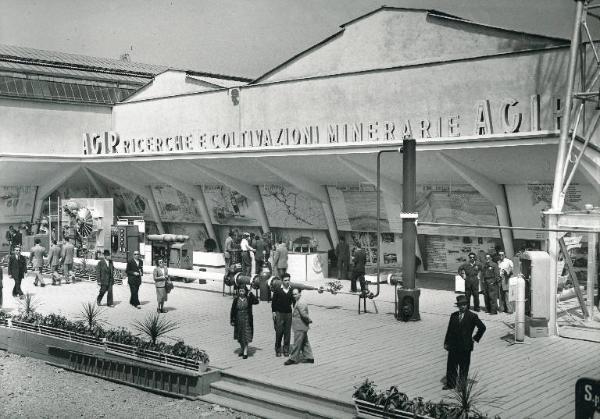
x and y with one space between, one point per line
505 265
246 258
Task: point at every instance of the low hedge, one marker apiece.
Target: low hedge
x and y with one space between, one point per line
118 335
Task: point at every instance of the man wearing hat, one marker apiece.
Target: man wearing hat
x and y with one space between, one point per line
104 276
471 272
17 268
459 341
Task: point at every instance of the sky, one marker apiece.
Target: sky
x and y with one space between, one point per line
235 37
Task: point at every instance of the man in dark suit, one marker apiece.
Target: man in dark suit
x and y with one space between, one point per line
135 271
281 307
459 341
17 268
358 269
104 276
342 252
471 272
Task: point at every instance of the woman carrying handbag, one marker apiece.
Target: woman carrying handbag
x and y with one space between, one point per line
161 277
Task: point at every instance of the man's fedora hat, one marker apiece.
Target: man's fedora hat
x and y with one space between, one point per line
462 300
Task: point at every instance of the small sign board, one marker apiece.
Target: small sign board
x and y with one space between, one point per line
587 398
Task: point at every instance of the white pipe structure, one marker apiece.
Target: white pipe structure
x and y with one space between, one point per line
182 273
519 283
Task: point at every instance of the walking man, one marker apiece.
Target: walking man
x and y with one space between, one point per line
301 350
68 253
280 258
135 271
259 256
491 277
471 272
37 259
505 265
459 342
104 276
281 306
358 270
342 252
246 258
17 268
54 261
228 249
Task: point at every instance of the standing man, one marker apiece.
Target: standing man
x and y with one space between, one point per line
10 235
471 272
228 248
17 267
358 269
37 258
54 261
506 267
259 256
281 306
459 342
246 258
491 276
135 271
280 258
68 253
301 350
104 276
17 238
342 252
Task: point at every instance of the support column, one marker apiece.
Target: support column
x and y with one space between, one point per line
203 209
45 190
553 250
261 212
154 210
592 272
330 217
491 191
100 189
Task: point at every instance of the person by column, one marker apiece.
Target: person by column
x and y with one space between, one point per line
246 258
281 306
17 268
104 276
491 277
472 273
37 259
135 271
358 268
506 270
342 252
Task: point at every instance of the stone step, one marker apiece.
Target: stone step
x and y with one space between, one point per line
288 404
244 406
300 393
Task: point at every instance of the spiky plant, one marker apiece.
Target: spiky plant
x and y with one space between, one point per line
28 305
467 398
91 314
155 326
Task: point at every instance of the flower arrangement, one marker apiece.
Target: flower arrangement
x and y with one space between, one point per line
333 287
392 400
118 335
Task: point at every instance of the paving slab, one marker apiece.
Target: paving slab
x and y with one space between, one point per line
534 380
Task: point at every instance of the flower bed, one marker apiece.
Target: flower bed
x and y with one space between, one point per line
370 403
119 341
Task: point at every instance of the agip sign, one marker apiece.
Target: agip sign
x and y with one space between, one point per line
488 118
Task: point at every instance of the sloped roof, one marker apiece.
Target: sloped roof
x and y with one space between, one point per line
430 13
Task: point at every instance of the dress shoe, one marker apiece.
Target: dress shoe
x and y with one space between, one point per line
309 361
277 354
286 354
447 387
138 307
493 312
289 362
35 284
245 357
241 354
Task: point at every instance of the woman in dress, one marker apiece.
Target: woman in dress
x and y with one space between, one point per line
242 320
160 275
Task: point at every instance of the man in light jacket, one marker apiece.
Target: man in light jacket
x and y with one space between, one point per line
37 259
54 261
280 259
301 350
68 253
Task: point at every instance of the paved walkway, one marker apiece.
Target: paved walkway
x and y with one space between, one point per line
534 380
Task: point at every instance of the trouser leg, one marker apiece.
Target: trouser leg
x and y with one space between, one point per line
463 365
355 276
109 298
493 297
451 369
103 289
0 294
278 331
472 288
287 331
296 353
307 352
18 286
486 296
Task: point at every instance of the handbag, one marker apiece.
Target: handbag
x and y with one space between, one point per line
169 285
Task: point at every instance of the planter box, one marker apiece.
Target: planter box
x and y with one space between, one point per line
367 410
119 350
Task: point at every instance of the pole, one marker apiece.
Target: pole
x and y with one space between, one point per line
408 296
520 309
592 273
557 200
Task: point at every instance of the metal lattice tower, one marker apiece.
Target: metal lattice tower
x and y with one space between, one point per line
583 89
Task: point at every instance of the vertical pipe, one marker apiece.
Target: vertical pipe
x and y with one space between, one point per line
557 201
409 229
49 224
553 249
520 310
592 272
